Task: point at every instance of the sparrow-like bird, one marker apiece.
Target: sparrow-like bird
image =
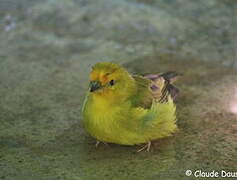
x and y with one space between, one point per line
129 109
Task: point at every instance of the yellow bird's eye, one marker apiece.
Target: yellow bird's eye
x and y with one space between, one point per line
111 83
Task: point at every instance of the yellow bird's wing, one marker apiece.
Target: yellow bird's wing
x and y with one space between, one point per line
154 87
153 104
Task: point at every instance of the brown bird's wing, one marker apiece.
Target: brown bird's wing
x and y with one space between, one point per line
154 87
162 85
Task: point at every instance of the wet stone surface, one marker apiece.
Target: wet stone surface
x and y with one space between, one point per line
46 51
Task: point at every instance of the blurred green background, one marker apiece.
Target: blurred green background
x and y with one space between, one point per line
47 48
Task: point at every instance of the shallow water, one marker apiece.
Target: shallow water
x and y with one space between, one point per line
44 66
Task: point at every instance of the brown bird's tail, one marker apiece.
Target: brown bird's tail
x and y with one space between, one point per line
171 77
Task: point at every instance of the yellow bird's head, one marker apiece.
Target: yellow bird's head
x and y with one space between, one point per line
111 81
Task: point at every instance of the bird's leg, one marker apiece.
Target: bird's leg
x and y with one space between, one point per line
98 142
147 147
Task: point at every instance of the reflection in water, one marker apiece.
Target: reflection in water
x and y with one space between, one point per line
233 105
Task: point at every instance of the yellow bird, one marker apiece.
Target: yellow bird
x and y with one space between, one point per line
129 109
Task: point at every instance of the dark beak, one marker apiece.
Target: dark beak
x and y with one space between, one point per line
94 85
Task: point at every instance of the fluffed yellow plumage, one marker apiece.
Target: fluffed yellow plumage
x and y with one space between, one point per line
124 109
